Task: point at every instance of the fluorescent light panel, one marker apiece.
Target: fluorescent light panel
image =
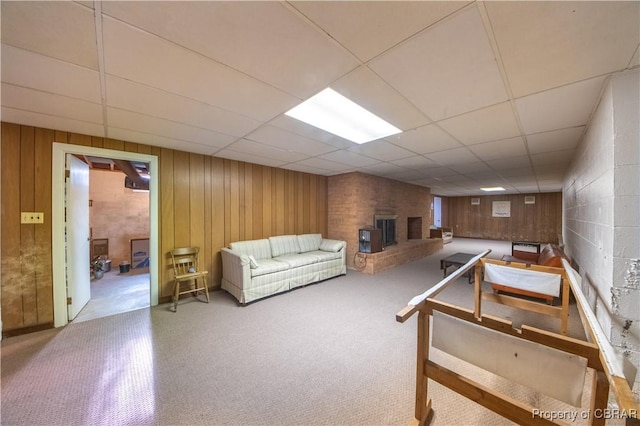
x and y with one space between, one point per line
494 188
332 112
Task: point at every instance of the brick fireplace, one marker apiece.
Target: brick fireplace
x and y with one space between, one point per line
357 200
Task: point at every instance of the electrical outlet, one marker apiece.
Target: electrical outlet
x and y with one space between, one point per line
32 217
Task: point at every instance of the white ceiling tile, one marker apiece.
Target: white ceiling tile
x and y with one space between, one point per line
497 150
287 141
566 106
369 28
552 158
381 150
525 172
349 158
635 61
170 129
488 124
520 162
424 140
415 162
438 82
265 40
305 169
439 172
384 169
11 115
61 30
557 140
549 44
124 94
267 151
407 175
160 141
50 104
369 91
28 69
300 128
255 159
453 157
321 163
468 169
181 71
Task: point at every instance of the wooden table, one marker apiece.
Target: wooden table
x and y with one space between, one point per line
458 259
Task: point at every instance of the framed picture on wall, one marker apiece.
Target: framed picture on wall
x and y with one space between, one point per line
501 209
475 201
529 199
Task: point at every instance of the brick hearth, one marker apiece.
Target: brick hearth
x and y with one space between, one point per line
372 263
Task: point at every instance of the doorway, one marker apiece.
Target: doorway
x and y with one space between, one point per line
58 221
119 230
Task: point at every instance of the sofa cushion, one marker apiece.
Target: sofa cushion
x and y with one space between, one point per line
260 249
309 242
283 245
324 256
296 260
331 245
269 266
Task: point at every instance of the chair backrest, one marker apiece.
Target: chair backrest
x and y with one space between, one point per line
184 259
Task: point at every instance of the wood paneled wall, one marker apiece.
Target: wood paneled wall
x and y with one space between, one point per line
204 201
541 221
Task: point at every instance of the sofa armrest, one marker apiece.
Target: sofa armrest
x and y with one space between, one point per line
335 246
236 268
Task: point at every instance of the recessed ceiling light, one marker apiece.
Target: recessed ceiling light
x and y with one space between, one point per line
332 112
493 188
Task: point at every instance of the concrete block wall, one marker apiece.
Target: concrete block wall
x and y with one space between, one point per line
354 198
602 214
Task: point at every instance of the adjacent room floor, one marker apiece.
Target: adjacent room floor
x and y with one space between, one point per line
117 293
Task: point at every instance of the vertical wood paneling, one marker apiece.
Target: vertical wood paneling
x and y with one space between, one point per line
114 144
43 196
181 195
196 201
97 142
248 201
77 139
12 313
280 202
257 201
241 204
541 221
204 201
167 223
267 200
61 137
234 202
27 232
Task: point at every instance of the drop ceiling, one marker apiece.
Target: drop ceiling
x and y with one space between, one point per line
486 93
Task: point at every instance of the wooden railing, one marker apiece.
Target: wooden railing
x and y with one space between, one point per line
609 366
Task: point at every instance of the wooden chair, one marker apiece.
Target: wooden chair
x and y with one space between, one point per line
185 268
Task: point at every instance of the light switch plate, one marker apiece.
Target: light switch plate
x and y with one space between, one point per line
32 217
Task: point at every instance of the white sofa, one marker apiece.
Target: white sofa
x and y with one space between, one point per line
255 269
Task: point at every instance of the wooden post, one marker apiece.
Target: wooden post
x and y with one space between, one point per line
599 398
478 289
564 314
423 403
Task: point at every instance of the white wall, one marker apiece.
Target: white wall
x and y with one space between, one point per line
602 213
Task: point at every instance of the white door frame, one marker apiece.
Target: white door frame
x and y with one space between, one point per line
57 220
